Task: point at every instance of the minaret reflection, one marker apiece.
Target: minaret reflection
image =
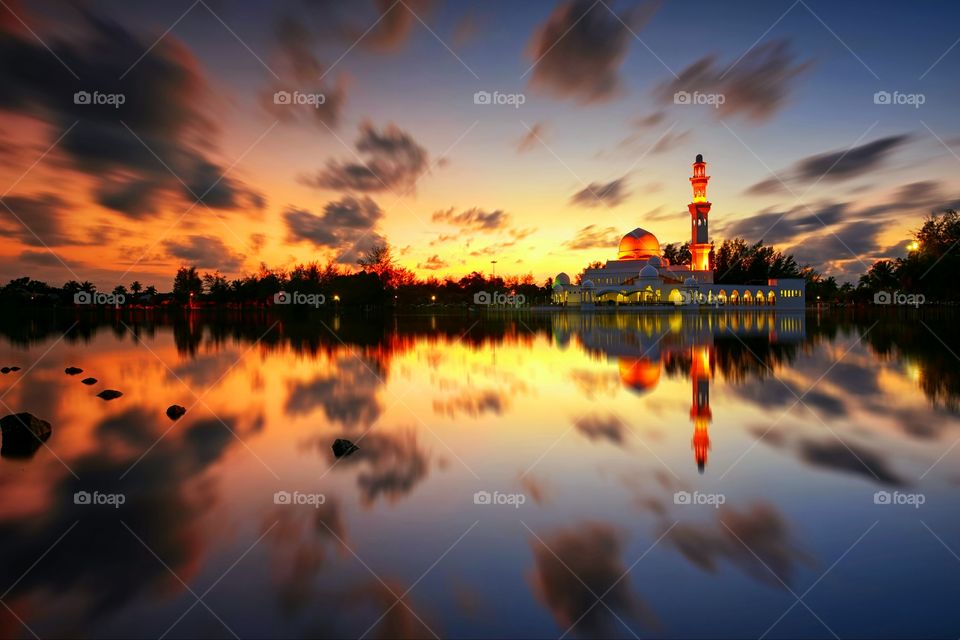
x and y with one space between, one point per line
701 370
646 346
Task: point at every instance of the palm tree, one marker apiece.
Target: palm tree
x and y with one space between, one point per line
136 287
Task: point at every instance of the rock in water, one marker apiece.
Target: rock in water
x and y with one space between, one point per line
89 381
23 433
343 447
109 394
72 371
174 411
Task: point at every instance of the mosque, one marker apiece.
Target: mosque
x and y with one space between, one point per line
642 276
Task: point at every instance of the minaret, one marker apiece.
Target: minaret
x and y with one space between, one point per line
699 217
700 371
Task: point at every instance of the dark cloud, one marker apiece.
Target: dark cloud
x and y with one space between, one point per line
670 141
596 194
573 567
758 541
846 458
393 160
532 137
205 252
135 198
597 427
833 166
857 240
42 219
843 164
756 86
394 24
592 236
433 263
778 227
577 52
473 219
347 395
346 225
163 96
302 71
473 403
391 465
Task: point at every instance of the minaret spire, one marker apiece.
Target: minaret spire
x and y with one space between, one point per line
699 218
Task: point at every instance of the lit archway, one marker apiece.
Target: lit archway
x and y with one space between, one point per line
747 297
734 297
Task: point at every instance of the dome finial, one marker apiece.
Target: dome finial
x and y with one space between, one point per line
699 157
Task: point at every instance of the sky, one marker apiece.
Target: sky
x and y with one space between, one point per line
829 129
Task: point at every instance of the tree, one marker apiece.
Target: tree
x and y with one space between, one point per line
677 253
737 262
186 282
136 287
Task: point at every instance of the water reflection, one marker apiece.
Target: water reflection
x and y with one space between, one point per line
597 419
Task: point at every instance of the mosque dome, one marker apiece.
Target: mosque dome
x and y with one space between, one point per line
690 281
562 279
649 271
639 374
639 244
587 284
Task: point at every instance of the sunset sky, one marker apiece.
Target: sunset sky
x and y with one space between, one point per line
800 153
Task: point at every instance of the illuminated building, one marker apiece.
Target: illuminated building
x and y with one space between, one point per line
640 275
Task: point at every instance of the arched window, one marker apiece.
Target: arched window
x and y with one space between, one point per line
734 297
747 297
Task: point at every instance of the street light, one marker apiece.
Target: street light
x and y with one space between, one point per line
433 298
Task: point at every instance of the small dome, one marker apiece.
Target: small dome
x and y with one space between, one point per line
562 279
587 284
690 281
655 261
639 244
649 271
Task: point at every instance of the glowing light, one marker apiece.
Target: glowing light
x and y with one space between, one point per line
913 246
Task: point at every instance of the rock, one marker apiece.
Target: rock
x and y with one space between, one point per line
343 447
72 371
109 394
174 411
5 370
14 368
89 381
23 433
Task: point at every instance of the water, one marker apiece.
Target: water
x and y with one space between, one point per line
587 432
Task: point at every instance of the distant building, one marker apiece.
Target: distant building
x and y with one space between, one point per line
642 276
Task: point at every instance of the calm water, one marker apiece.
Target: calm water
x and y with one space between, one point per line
658 475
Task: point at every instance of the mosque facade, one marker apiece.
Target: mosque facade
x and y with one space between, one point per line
641 276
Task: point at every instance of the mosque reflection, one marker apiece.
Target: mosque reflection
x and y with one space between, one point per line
691 344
